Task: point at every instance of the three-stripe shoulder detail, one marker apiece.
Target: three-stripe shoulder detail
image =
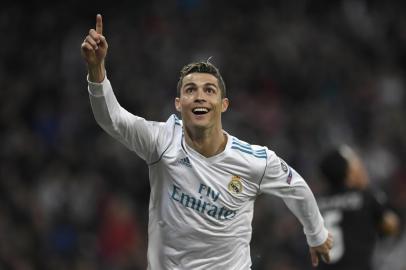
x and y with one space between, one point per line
247 148
177 121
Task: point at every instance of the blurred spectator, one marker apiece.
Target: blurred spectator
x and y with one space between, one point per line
119 237
354 214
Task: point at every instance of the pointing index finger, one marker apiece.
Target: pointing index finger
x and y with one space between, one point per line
99 24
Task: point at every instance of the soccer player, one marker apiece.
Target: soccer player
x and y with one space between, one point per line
353 213
203 180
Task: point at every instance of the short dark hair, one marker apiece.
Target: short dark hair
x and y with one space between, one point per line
334 167
202 67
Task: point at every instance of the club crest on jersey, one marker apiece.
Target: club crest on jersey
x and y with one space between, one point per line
235 185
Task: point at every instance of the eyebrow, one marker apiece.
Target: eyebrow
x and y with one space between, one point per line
206 84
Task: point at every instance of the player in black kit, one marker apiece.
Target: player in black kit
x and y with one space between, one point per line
353 213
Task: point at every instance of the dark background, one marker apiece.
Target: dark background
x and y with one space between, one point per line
301 76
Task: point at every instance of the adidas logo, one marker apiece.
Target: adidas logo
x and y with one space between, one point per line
185 161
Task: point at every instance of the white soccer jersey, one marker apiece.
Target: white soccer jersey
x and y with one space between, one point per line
200 209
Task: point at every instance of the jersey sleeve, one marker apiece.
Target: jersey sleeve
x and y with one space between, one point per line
147 139
283 181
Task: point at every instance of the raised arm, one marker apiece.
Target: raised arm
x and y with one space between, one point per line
94 51
139 135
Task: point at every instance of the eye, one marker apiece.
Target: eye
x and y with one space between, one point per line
210 90
189 90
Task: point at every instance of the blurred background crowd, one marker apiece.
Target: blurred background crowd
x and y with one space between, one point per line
301 75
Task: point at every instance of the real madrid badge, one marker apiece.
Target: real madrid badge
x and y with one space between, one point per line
235 185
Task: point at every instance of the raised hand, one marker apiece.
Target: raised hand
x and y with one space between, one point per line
94 51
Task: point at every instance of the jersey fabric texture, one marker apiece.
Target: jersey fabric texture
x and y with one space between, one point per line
353 218
200 209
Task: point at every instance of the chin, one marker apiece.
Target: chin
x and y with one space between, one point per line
199 125
198 122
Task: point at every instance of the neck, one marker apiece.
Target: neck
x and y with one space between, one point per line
207 142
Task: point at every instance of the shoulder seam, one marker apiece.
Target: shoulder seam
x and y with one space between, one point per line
169 144
263 174
160 157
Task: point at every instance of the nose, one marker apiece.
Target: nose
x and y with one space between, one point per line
199 97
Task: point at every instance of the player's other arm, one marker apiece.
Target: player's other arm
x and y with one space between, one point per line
134 132
283 181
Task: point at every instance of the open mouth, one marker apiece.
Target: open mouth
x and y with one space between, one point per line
200 110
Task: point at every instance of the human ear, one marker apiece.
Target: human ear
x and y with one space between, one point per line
177 104
224 104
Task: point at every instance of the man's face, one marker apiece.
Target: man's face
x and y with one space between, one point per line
200 101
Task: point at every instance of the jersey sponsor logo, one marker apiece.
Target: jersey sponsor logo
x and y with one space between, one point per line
204 202
235 185
185 161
